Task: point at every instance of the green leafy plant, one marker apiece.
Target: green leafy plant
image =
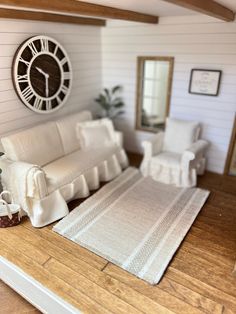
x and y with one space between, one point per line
110 102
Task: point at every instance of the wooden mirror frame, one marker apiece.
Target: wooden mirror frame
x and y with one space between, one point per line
139 90
231 149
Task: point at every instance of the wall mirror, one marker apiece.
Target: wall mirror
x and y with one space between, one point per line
154 80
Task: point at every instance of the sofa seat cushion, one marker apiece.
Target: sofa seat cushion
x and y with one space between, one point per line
67 129
166 159
39 145
66 169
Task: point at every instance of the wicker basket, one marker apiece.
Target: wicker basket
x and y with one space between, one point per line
9 213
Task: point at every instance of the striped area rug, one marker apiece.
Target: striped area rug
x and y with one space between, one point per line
135 223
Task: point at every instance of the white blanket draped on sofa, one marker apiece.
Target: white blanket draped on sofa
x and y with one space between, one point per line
43 188
23 188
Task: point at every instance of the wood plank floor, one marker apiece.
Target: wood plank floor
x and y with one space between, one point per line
199 279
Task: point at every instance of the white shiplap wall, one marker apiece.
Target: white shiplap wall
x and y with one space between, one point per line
195 42
83 44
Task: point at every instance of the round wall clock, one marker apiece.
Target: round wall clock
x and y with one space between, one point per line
42 74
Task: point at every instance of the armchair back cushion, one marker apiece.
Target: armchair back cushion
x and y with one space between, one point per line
96 133
67 130
38 145
179 135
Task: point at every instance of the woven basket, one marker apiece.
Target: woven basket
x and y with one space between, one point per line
9 213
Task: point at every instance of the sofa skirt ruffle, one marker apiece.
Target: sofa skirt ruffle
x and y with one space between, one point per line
54 206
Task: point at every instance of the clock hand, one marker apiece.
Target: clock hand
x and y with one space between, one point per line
47 91
42 72
46 75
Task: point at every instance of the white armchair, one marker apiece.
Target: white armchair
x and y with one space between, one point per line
175 156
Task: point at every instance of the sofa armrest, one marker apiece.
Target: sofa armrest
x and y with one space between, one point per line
118 137
38 177
40 183
194 153
153 146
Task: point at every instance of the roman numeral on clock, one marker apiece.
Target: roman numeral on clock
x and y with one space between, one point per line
66 75
63 61
44 44
22 78
28 94
55 50
33 49
48 105
64 89
24 61
38 103
58 100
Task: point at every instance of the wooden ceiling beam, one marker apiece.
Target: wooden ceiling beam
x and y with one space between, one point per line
208 7
82 8
49 17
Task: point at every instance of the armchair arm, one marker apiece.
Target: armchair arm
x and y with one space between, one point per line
36 175
153 146
194 152
118 137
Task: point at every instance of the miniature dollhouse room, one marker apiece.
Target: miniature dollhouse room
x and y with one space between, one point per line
118 156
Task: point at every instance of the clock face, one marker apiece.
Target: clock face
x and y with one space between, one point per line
42 74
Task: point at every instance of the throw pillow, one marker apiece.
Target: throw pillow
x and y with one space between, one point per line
179 135
96 133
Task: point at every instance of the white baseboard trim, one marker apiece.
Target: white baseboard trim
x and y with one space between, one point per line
33 291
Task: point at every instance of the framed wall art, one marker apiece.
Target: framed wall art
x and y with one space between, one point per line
205 82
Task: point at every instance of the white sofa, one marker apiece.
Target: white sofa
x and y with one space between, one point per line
44 167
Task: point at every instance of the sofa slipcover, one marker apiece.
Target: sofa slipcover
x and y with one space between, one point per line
44 180
64 170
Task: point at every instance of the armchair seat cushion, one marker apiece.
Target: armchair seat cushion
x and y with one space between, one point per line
167 159
66 169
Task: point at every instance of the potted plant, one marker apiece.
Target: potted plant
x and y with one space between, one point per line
110 102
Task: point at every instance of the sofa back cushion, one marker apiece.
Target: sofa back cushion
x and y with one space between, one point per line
67 130
180 135
39 145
